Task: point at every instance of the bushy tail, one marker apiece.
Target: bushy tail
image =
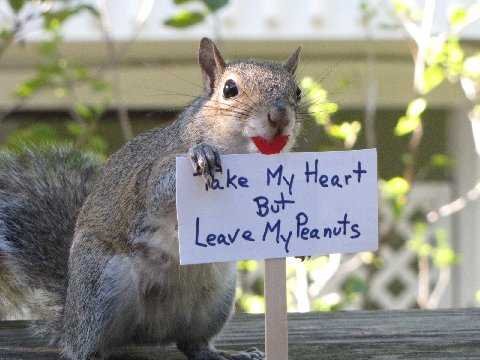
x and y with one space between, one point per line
41 192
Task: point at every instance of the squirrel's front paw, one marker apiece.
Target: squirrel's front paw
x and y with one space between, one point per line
205 161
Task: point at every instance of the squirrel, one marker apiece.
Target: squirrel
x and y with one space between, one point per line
93 248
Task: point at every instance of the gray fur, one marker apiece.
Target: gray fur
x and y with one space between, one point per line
41 192
124 278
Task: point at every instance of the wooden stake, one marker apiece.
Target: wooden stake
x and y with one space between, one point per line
276 324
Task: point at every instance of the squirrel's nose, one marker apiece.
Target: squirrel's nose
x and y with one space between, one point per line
278 115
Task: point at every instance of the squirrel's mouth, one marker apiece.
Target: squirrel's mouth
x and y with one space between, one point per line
273 146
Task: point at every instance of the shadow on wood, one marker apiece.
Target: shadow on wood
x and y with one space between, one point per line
415 334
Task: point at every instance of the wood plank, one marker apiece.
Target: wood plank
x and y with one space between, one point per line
276 323
417 334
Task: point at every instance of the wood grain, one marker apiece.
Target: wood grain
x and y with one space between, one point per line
276 323
380 335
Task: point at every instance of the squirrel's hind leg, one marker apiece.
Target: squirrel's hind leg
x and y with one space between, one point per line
101 309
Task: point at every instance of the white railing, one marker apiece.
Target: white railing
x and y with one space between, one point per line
247 19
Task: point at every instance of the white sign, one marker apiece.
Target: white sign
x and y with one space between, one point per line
273 206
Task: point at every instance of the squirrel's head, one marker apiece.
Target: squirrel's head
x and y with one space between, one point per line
251 105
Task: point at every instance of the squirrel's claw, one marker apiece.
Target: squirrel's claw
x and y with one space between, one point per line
205 161
303 258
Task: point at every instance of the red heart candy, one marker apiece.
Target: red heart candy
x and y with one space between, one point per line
269 147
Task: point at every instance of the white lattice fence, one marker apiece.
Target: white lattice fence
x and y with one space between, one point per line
395 284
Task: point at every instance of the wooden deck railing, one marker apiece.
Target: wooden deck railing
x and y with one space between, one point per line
416 334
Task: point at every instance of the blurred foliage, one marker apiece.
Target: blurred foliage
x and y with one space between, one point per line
316 105
439 57
185 17
445 60
55 73
436 249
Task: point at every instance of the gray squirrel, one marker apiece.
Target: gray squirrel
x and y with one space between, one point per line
93 249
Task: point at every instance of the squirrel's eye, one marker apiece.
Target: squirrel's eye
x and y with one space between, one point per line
230 89
299 94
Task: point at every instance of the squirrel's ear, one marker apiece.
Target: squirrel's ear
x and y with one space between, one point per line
292 61
211 62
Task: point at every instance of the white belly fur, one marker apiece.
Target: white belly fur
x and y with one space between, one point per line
173 297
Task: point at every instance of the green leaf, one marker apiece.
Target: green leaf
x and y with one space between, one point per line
395 187
54 19
252 303
406 125
347 131
444 257
354 284
215 5
440 161
84 111
454 56
416 107
30 87
76 129
247 265
418 243
99 85
407 8
329 302
432 77
16 5
185 18
320 108
457 16
181 2
401 6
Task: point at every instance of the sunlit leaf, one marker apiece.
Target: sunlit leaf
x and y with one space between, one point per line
454 56
443 255
346 131
185 18
247 265
30 87
418 243
252 303
407 8
457 16
395 187
416 107
432 77
315 95
406 125
327 302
